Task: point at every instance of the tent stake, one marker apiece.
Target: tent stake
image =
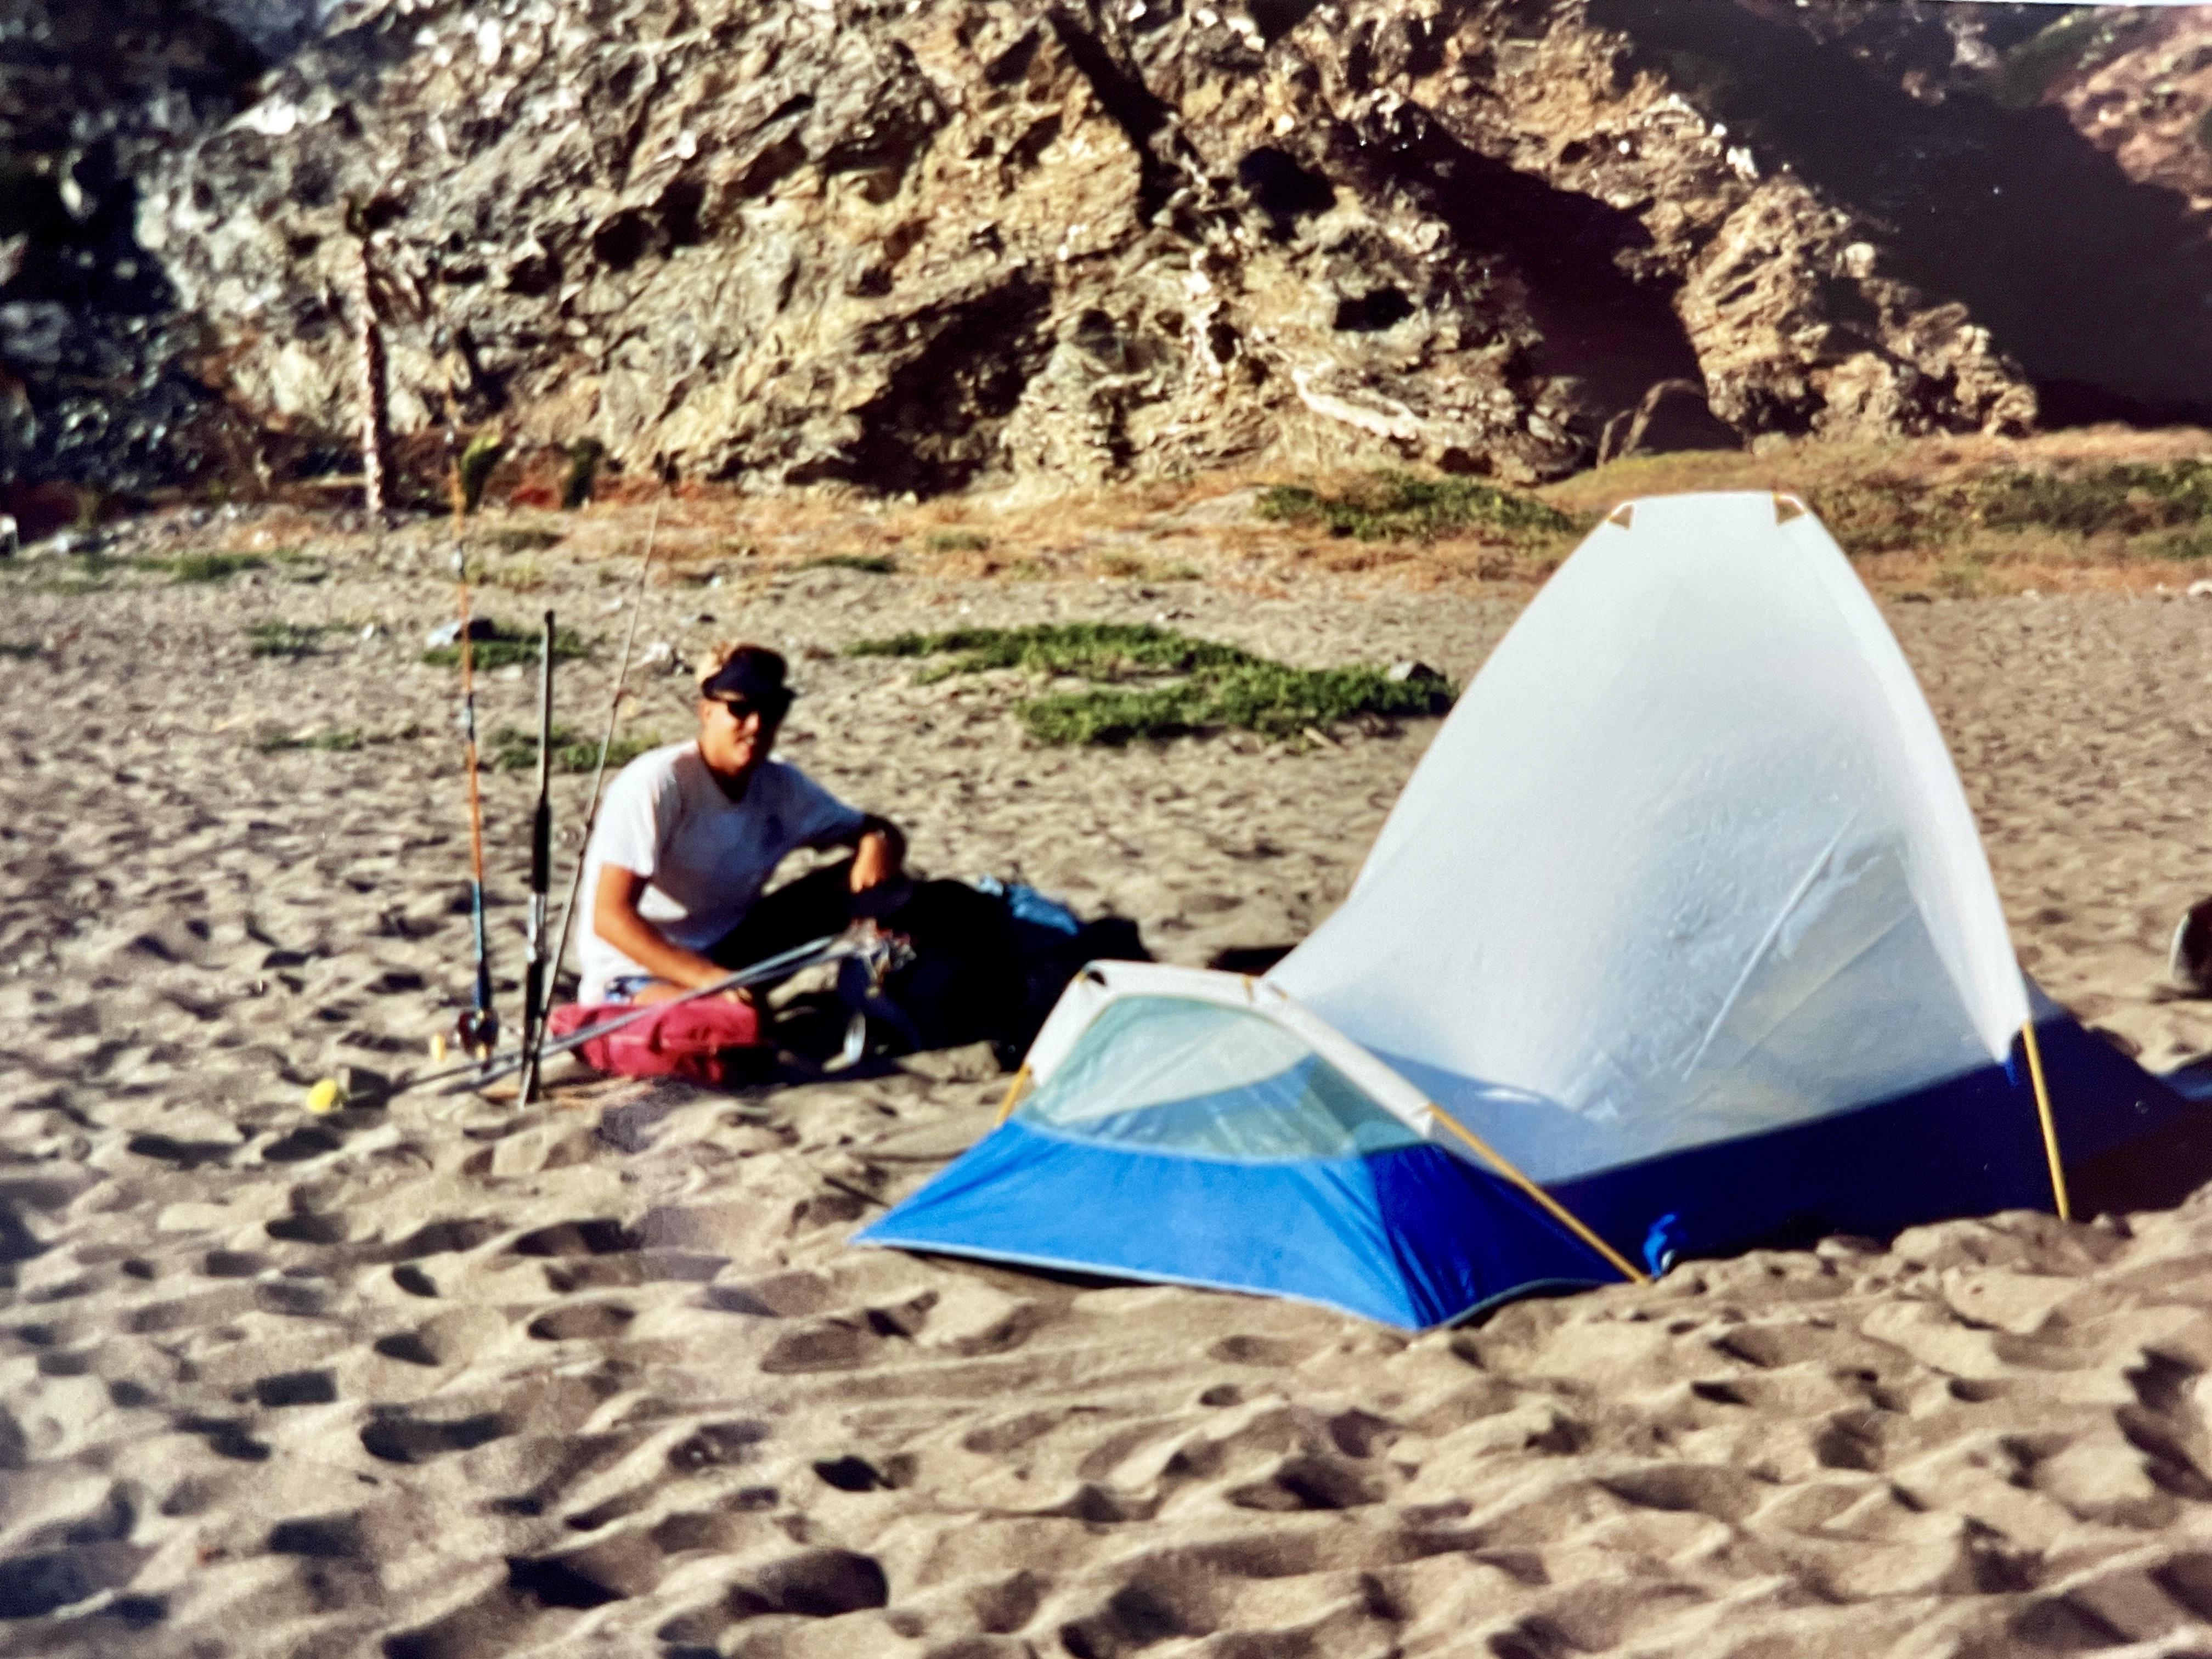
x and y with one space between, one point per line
1559 1211
2049 1128
1013 1094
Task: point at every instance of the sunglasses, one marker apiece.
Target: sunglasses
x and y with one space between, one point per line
740 709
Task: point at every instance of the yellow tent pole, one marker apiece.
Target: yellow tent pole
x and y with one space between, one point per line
1559 1211
2049 1128
1013 1094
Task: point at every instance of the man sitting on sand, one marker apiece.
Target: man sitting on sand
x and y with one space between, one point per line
689 836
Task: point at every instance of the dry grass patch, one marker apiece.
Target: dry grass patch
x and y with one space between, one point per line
1964 516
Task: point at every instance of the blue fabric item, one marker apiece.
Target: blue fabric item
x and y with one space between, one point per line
1025 904
1416 1236
1412 1237
1972 1145
1662 1244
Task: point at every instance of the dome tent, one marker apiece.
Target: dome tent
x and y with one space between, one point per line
1679 937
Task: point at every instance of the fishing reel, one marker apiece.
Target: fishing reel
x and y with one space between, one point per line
476 1033
860 979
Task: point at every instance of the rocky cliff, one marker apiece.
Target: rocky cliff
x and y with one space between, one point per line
915 244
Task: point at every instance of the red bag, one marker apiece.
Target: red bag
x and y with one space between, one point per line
708 1040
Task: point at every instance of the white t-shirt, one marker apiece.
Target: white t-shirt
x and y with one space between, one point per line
705 857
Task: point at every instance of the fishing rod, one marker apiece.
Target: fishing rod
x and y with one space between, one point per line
541 876
477 1027
861 942
606 742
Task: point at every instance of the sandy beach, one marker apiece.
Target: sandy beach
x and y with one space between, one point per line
451 1379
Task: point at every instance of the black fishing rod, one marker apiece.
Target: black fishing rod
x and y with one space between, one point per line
599 771
478 1026
541 876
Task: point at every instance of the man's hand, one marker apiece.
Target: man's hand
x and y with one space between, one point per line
876 858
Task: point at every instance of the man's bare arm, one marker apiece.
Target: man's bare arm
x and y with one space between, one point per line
615 918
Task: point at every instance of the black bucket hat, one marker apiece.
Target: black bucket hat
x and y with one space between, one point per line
750 674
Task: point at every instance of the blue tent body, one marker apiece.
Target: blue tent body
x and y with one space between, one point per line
1418 1235
1680 938
1413 1237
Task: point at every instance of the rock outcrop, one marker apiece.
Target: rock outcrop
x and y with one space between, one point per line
915 244
94 382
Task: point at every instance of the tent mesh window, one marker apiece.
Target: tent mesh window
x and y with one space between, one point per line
1172 1074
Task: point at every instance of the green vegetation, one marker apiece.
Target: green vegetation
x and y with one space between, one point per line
2185 544
205 567
1405 507
88 573
513 749
873 564
518 538
516 575
957 541
2170 504
1189 684
584 456
344 740
506 647
1093 651
278 639
1127 566
2131 498
483 454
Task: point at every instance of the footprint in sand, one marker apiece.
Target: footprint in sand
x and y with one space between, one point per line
601 1236
1257 1351
1135 1616
305 1142
295 1389
1308 1483
717 1445
413 1280
851 1473
322 1538
450 1339
414 1440
306 1227
556 1583
600 1253
582 1322
444 1237
185 1154
820 1583
226 1436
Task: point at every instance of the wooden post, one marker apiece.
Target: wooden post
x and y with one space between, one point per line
375 440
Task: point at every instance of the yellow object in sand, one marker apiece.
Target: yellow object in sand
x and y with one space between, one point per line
327 1095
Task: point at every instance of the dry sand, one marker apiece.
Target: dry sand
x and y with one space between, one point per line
603 1377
